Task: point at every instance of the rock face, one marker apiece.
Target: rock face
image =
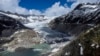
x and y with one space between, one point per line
8 26
23 38
83 17
15 37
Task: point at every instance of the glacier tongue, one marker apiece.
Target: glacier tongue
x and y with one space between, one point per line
56 39
40 25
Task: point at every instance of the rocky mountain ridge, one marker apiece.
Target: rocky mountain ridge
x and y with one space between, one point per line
83 17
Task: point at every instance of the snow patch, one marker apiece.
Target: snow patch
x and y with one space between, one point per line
92 45
55 50
67 53
81 50
97 46
89 6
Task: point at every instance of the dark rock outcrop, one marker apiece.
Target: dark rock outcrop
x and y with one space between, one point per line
8 25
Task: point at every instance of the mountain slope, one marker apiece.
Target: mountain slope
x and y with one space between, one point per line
83 17
83 23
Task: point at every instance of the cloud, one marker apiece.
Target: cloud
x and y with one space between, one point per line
13 6
55 10
36 12
71 0
8 4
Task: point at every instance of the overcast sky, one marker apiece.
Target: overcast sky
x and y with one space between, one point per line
44 7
